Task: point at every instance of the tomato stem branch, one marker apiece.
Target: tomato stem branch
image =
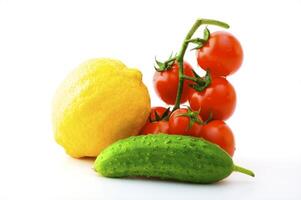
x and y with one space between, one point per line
189 78
180 56
195 40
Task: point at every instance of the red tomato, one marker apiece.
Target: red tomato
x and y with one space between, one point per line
222 54
219 99
155 127
218 132
166 83
159 110
180 124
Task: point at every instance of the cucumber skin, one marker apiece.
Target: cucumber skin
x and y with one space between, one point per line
175 157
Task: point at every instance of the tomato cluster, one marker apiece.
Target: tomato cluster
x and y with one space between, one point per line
211 99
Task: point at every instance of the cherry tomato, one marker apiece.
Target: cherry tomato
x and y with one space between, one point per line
155 127
218 132
166 83
159 110
222 54
180 124
219 99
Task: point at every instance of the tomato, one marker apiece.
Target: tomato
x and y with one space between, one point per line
217 100
155 127
222 54
180 124
218 132
160 112
166 83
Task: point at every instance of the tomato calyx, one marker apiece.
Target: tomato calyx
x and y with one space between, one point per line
164 116
200 42
166 65
193 117
201 83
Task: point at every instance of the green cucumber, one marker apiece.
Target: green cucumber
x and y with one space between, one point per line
175 157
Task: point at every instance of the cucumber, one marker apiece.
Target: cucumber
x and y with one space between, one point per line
174 157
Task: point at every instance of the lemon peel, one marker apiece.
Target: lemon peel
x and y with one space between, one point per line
99 103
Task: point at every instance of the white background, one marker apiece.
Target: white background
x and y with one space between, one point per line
41 41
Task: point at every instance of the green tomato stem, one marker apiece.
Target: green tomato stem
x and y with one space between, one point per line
195 40
243 170
180 56
189 78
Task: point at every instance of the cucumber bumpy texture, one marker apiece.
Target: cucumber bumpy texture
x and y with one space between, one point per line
174 157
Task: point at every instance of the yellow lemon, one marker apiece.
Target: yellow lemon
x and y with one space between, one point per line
99 103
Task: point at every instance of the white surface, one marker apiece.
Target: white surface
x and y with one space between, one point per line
41 41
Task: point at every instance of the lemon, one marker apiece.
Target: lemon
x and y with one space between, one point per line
99 103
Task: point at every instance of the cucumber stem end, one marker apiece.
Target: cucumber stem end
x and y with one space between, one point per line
243 170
